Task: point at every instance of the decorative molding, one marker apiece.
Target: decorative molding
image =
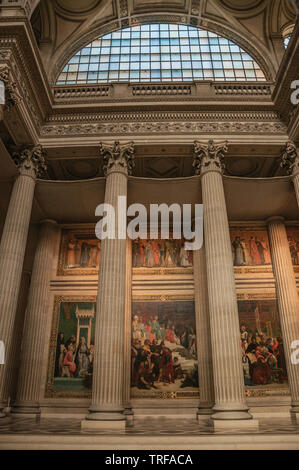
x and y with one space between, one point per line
174 127
257 296
216 116
267 392
161 297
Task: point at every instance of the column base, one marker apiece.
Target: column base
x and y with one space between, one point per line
235 424
104 417
129 415
294 417
4 410
204 414
26 408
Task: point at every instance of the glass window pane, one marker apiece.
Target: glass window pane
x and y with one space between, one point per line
160 52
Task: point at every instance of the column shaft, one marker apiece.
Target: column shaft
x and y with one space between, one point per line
203 334
12 251
127 335
28 389
107 396
225 329
288 301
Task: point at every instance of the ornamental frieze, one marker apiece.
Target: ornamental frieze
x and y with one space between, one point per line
178 127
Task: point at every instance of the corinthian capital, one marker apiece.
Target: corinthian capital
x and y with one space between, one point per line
31 161
118 157
290 158
209 157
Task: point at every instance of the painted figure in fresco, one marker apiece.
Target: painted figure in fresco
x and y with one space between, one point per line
178 371
77 253
294 250
247 257
261 250
264 356
82 358
254 252
60 346
156 252
169 255
244 337
71 254
191 378
93 256
267 255
166 366
155 358
85 251
98 256
184 259
139 262
156 328
72 341
149 255
238 252
261 371
69 366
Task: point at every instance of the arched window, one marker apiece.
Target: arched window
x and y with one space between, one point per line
160 52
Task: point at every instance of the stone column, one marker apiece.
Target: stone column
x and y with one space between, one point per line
28 388
230 406
290 161
288 301
107 406
203 335
127 336
12 251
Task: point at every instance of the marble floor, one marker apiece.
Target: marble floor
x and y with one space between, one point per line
149 427
28 433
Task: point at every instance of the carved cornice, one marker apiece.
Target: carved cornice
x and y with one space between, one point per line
31 161
118 157
209 157
18 53
290 158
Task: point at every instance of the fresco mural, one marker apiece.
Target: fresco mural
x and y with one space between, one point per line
261 343
72 348
164 349
161 254
250 248
80 253
293 238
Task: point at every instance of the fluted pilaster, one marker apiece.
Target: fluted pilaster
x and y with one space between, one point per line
12 251
203 335
224 321
288 301
108 373
28 388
